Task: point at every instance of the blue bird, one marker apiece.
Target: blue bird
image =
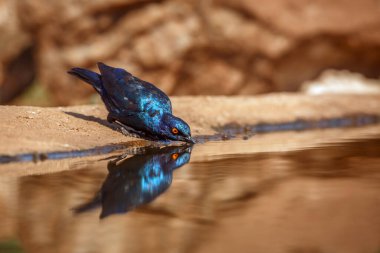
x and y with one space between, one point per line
137 106
137 180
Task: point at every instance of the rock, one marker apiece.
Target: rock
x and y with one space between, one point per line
166 43
188 47
341 82
229 30
15 53
309 18
210 76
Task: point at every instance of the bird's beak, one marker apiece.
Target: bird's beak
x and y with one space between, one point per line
190 140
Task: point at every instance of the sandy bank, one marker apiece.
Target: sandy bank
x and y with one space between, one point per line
31 129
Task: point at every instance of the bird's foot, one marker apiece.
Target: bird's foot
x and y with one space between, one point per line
164 142
119 158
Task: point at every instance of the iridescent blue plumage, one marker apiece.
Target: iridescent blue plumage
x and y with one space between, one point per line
137 180
136 105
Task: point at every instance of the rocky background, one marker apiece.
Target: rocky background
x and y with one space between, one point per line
185 47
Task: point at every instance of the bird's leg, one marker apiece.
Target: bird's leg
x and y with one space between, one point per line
129 131
110 119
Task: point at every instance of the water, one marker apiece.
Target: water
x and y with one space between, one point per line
315 191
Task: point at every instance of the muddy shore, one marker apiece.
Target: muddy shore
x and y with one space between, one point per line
36 129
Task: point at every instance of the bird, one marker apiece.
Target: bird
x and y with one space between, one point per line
137 180
136 106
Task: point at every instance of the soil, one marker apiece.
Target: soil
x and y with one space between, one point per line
37 129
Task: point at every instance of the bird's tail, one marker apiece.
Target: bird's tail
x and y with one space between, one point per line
89 77
92 204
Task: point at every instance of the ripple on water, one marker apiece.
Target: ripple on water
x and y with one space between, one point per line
282 192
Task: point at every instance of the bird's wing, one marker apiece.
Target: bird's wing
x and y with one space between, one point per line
156 95
118 91
132 95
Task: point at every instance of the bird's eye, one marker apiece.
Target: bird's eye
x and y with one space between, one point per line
174 130
174 156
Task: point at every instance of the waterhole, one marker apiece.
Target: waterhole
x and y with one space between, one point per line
315 191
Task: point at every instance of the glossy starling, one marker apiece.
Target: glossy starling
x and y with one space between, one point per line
137 180
137 106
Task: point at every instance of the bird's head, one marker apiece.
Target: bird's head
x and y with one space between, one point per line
176 129
176 157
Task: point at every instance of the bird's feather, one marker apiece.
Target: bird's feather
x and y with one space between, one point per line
136 104
130 94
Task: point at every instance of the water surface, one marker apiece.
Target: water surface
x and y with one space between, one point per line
276 193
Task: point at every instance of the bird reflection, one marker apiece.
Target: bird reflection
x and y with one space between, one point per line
137 180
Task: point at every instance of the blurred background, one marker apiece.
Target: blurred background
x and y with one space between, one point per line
305 201
220 47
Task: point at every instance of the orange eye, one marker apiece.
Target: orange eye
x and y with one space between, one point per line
174 156
174 130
